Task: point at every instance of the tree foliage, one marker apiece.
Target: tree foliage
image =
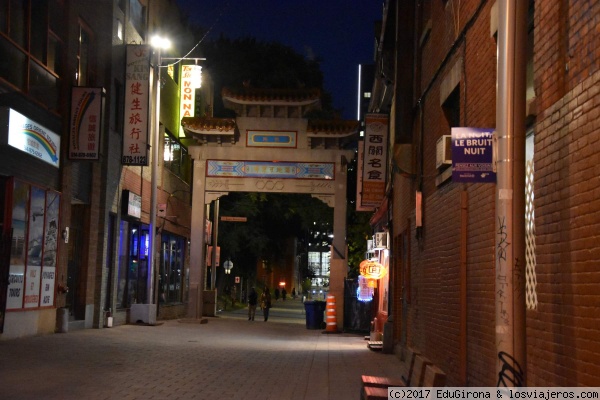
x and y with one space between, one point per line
272 220
266 65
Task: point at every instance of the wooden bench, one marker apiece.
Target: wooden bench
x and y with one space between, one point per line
422 373
434 377
409 364
374 393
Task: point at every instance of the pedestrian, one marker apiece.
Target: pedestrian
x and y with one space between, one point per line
283 294
276 292
252 302
294 293
265 302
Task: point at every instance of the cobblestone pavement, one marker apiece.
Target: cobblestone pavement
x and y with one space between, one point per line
227 358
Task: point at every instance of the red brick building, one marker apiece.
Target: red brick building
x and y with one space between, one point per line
439 59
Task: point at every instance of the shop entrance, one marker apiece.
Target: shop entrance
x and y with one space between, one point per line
133 279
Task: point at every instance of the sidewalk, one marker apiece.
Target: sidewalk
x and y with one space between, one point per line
227 358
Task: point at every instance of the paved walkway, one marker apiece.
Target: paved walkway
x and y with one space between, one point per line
227 358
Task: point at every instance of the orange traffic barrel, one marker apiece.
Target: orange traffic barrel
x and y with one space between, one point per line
330 316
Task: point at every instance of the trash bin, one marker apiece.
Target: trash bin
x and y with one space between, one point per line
314 314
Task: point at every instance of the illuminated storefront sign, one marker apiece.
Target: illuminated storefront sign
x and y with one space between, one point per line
372 269
364 292
30 137
132 204
190 80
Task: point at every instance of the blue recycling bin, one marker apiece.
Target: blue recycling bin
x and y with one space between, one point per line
314 314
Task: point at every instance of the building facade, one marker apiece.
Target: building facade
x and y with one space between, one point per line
441 58
75 223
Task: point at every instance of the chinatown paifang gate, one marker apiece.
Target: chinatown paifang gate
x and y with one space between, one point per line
268 147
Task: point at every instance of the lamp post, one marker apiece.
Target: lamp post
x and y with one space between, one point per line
159 44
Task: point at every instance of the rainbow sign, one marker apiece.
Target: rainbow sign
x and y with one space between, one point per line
32 138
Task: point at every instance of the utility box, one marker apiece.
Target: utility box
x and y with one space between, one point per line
142 313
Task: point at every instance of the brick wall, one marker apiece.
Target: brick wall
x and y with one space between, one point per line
434 313
564 332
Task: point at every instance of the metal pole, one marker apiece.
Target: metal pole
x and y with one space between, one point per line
509 365
154 173
213 275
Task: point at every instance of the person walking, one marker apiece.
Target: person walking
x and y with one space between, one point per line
283 294
265 303
252 302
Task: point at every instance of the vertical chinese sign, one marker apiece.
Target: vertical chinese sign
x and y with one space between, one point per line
375 160
86 121
137 103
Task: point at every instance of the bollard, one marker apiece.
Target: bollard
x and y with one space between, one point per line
330 317
62 317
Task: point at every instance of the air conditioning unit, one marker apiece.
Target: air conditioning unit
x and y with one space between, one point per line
381 240
443 153
369 245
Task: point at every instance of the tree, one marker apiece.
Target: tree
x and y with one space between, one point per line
267 65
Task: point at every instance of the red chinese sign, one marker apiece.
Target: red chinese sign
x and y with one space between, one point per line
137 104
86 121
375 160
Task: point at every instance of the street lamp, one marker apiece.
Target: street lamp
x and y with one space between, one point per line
228 265
159 43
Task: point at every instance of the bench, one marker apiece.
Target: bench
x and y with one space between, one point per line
434 377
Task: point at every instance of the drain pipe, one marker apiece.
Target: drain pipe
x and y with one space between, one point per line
510 211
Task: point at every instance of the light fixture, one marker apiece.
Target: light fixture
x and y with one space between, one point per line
228 265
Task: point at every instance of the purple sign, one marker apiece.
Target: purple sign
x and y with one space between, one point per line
472 155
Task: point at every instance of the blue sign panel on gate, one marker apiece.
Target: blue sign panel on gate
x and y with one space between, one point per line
472 155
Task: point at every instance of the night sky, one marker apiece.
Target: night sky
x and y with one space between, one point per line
339 32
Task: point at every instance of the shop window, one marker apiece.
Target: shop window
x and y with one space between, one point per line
34 248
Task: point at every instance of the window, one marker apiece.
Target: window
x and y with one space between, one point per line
31 40
137 15
451 108
84 63
530 260
34 247
175 156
